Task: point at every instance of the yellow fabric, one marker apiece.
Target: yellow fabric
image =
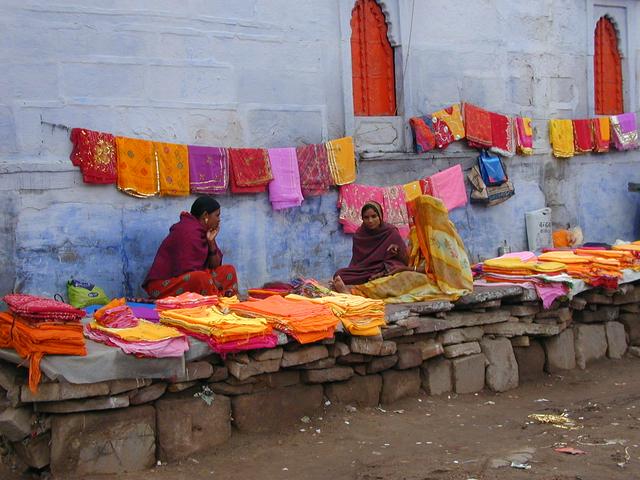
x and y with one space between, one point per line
143 332
515 266
453 120
630 247
412 190
403 287
561 138
173 168
341 155
137 167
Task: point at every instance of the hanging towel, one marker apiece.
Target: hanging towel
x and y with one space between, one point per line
601 133
412 190
137 167
561 138
423 136
524 135
452 116
315 177
448 186
351 199
284 189
95 154
625 131
250 170
208 169
394 206
173 168
582 136
501 135
342 160
477 123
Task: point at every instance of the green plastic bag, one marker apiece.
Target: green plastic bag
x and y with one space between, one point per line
82 294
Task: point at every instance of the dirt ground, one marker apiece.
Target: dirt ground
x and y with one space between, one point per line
447 437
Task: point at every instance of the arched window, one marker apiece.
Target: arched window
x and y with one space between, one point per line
374 91
607 69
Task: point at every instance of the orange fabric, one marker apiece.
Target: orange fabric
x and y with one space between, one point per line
34 342
374 91
607 69
137 167
173 168
561 238
601 133
101 312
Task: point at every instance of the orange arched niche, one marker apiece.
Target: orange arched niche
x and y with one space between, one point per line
374 91
607 69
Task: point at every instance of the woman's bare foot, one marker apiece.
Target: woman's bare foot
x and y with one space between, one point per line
339 286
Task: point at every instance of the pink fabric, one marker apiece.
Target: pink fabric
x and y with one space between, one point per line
284 189
266 341
171 347
448 186
524 256
350 201
395 210
547 291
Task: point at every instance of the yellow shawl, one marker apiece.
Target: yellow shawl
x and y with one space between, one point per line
341 155
561 137
173 168
137 167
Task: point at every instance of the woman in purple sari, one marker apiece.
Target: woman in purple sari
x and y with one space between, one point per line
378 250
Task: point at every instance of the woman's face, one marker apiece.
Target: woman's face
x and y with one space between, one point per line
213 219
371 219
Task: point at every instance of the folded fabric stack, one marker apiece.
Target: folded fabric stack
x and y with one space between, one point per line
596 271
515 266
224 332
37 326
634 249
186 300
271 288
359 315
304 320
116 314
609 262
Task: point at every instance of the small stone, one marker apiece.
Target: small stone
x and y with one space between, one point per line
120 386
366 345
338 349
635 351
243 371
380 364
361 369
360 390
631 322
83 405
15 423
560 352
561 314
502 368
353 358
616 339
521 341
468 373
267 354
633 296
388 348
318 364
147 394
630 308
56 391
590 343
223 388
35 452
429 348
436 376
598 298
471 319
460 349
604 313
220 373
306 354
398 384
409 356
506 329
334 374
425 308
460 335
431 324
484 294
393 331
578 303
283 378
524 310
538 329
179 387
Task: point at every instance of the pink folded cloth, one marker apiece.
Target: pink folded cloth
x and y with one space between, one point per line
524 256
448 186
170 347
284 189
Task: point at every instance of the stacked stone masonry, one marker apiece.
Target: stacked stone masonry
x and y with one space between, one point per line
492 339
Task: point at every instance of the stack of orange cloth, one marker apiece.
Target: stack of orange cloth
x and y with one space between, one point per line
304 320
577 266
186 300
359 315
33 340
624 257
515 266
634 249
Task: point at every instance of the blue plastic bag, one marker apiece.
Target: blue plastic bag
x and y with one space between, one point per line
491 169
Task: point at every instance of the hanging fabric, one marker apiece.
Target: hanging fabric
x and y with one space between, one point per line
208 169
173 168
95 154
137 167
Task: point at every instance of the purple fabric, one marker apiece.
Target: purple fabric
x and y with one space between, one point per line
184 250
208 169
284 189
625 131
146 313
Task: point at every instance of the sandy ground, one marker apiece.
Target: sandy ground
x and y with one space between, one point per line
448 437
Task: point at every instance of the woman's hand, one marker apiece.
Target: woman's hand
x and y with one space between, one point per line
393 249
211 236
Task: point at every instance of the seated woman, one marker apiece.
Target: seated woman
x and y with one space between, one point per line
378 250
189 259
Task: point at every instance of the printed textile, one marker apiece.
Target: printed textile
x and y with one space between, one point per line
173 168
313 165
625 131
601 133
442 134
395 208
502 134
452 116
35 309
284 189
524 135
95 154
423 135
220 281
448 186
250 170
351 199
582 136
561 137
412 190
137 167
342 160
477 123
208 169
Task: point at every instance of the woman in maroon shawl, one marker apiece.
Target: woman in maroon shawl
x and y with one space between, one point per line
189 259
378 250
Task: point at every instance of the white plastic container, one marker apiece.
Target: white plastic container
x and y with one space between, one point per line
538 224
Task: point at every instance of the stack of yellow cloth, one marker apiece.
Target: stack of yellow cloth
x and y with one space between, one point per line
359 315
515 266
